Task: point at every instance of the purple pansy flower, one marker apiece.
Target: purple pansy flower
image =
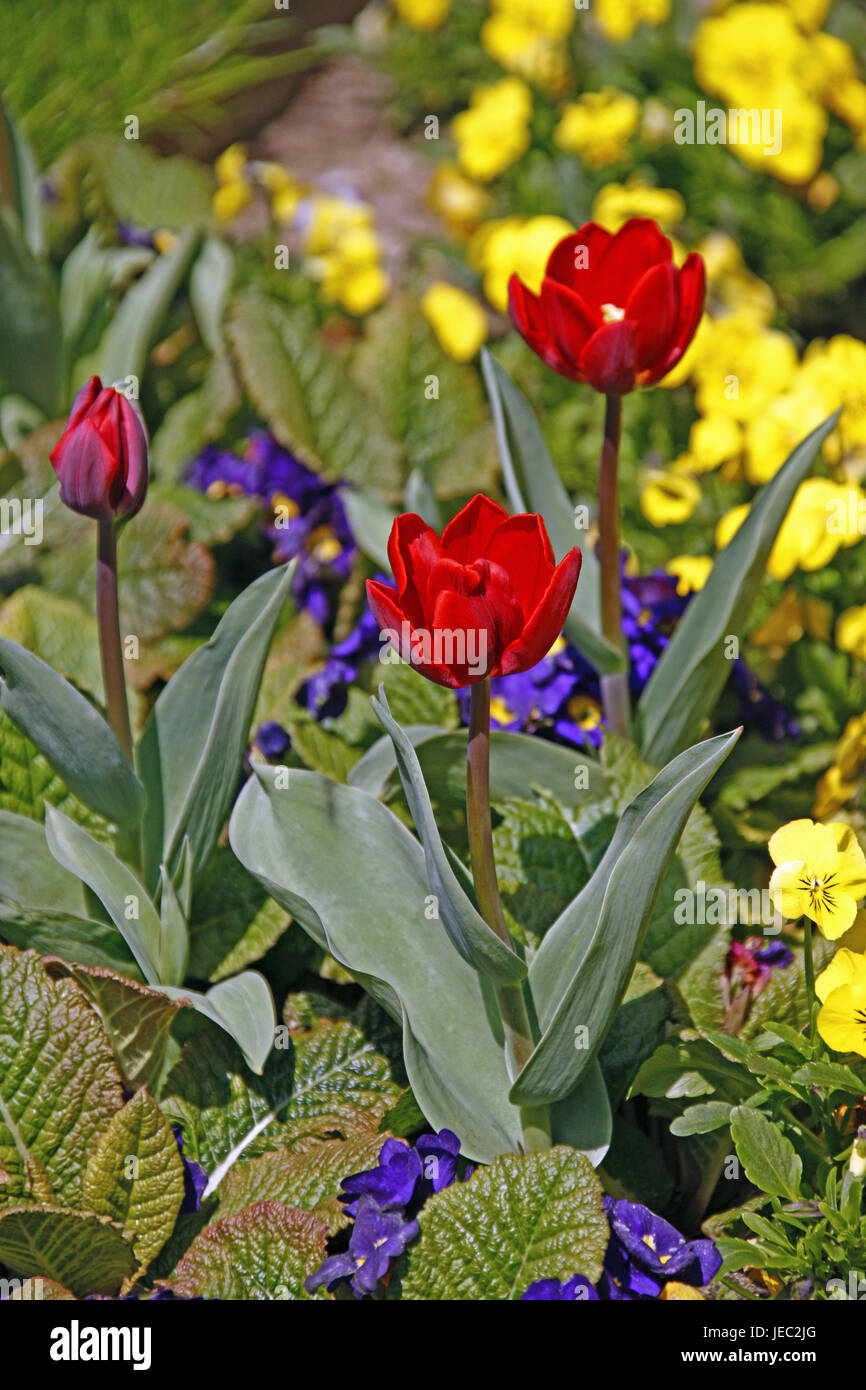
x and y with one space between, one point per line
645 1251
405 1176
272 740
377 1237
576 1290
194 1177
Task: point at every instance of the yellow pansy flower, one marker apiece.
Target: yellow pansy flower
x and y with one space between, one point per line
807 539
461 203
691 572
842 779
730 285
667 498
457 319
773 433
522 49
514 245
820 873
598 126
620 18
809 14
553 18
234 189
494 130
713 440
425 15
851 632
615 203
836 369
842 991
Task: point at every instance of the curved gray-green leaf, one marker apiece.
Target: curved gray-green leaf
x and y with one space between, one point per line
477 943
355 879
584 964
190 754
71 734
689 678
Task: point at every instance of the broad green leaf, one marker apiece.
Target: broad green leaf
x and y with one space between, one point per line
42 1290
541 865
583 966
533 485
307 1176
137 1019
59 1085
210 285
300 388
524 1218
164 580
323 751
190 754
243 1007
122 895
477 943
519 765
415 700
830 1076
445 439
687 681
124 349
266 1252
31 345
769 1158
331 1081
70 733
315 846
45 907
702 1119
234 920
134 1175
83 1252
146 188
59 631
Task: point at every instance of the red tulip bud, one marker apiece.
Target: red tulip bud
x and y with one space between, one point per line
485 599
101 458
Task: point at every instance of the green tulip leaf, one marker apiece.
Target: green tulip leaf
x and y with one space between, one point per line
70 733
190 754
689 678
583 966
477 943
243 1007
31 344
533 485
122 895
128 339
355 878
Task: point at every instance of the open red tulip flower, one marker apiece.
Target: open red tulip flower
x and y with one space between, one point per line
485 599
614 311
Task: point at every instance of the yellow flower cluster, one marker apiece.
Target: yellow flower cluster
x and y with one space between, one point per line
620 18
823 517
528 37
344 253
766 56
841 782
494 130
615 203
598 126
425 15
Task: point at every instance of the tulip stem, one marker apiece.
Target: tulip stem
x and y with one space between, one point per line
614 687
519 1041
108 618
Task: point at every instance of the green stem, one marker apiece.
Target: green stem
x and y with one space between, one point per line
108 618
809 969
614 687
519 1042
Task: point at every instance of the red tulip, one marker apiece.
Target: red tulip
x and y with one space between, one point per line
101 458
487 599
614 311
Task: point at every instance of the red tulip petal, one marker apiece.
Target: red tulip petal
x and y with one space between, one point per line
567 267
528 319
413 549
570 323
638 245
608 360
87 470
546 622
522 547
693 293
654 304
466 536
391 618
84 399
476 626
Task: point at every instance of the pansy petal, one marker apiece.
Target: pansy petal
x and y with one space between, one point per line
834 914
842 1020
846 968
792 841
